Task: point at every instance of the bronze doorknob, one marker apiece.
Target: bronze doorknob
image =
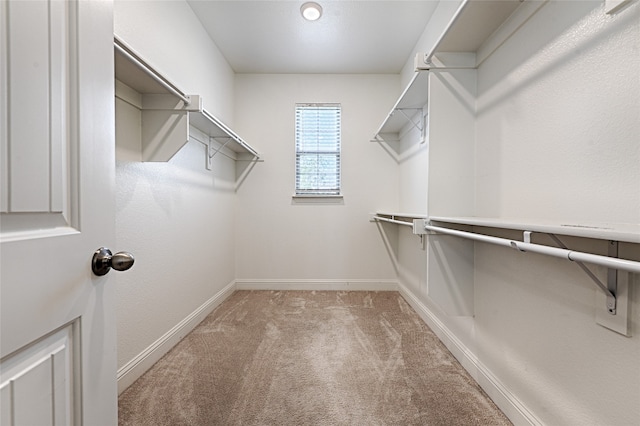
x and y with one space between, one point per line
103 260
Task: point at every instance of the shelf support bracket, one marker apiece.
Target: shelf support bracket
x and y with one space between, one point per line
210 148
215 151
612 279
611 287
419 125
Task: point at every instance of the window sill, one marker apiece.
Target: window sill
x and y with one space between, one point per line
317 199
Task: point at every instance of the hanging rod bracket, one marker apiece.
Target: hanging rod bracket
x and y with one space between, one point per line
611 287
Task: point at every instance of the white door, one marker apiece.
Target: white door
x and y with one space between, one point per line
57 341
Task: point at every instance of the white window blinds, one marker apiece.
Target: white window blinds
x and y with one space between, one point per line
318 149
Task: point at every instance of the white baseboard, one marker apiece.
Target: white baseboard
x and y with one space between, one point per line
503 398
135 368
345 285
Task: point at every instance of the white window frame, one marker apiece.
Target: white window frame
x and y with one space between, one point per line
318 193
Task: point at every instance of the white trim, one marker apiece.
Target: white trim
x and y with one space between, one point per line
509 403
317 199
317 196
135 368
329 284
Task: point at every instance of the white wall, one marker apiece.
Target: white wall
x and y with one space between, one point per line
559 118
169 36
279 239
558 127
413 167
556 138
437 178
177 218
432 174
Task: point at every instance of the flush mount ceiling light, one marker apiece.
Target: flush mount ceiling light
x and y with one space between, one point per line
311 11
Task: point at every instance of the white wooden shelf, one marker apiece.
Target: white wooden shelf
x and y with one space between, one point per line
624 232
478 27
216 129
167 112
402 215
602 231
471 30
614 290
468 32
477 21
409 108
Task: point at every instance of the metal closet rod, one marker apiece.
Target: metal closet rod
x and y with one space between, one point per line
150 71
576 256
398 222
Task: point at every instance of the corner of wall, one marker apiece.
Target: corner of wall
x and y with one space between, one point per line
136 367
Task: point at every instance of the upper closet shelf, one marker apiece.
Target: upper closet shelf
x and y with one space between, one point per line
410 108
136 73
603 231
478 27
167 112
623 232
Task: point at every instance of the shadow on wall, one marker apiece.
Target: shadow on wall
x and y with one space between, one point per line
465 95
390 237
243 169
564 21
403 151
554 107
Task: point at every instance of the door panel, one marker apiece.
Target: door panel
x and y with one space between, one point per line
37 89
57 208
36 142
38 382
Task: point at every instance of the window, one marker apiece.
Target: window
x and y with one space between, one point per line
318 149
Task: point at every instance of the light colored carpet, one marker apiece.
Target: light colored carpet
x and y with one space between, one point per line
309 358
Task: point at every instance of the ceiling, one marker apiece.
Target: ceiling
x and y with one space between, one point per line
351 36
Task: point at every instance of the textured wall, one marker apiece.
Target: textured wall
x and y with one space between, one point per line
556 138
278 239
171 38
558 118
176 217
